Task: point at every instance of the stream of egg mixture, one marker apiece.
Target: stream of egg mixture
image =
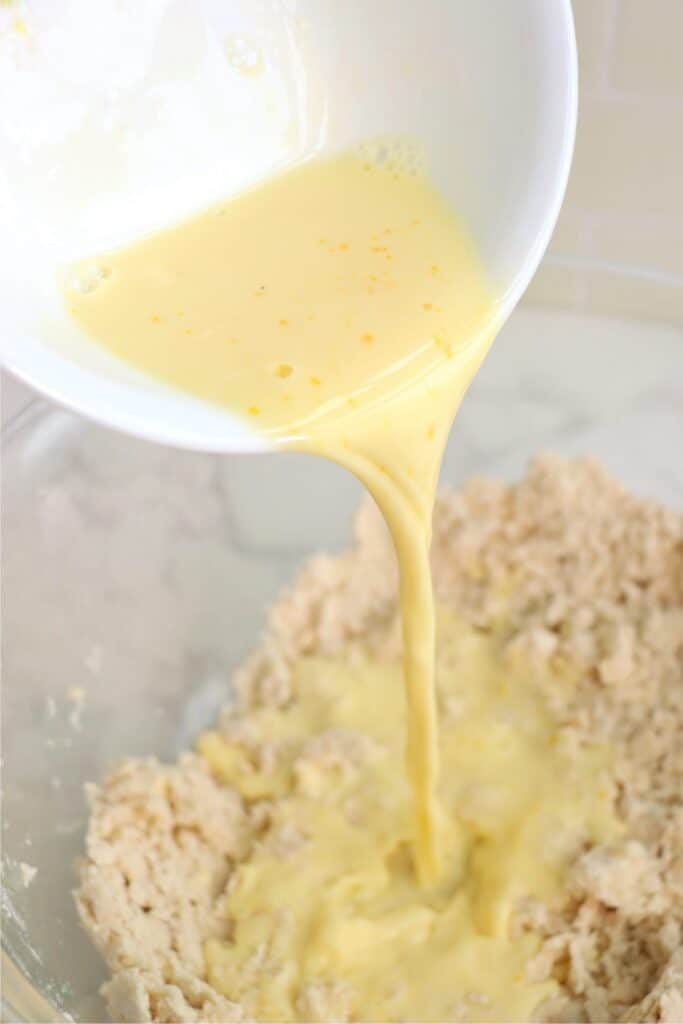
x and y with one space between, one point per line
340 309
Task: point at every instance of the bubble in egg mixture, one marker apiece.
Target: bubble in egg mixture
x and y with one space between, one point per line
242 55
393 153
88 277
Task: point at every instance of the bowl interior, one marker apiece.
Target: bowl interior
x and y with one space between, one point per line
136 577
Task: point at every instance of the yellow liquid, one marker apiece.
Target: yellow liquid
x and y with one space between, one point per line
328 902
342 311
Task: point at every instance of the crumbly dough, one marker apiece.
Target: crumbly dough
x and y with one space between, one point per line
582 574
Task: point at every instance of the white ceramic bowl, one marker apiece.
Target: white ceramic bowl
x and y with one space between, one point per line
120 117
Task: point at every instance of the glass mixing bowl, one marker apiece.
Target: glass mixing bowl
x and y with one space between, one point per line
136 577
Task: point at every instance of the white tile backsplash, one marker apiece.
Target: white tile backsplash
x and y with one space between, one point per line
595 22
647 49
624 204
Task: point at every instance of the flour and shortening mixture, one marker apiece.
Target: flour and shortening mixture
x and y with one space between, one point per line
268 876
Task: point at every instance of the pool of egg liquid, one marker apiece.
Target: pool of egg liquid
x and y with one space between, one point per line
326 919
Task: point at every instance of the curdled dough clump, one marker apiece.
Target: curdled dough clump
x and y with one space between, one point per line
161 843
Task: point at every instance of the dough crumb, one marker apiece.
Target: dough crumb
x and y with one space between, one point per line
161 844
325 1003
77 695
28 873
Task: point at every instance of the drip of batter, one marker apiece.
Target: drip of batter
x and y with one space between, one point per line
397 455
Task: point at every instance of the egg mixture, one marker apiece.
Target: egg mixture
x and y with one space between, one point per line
340 309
